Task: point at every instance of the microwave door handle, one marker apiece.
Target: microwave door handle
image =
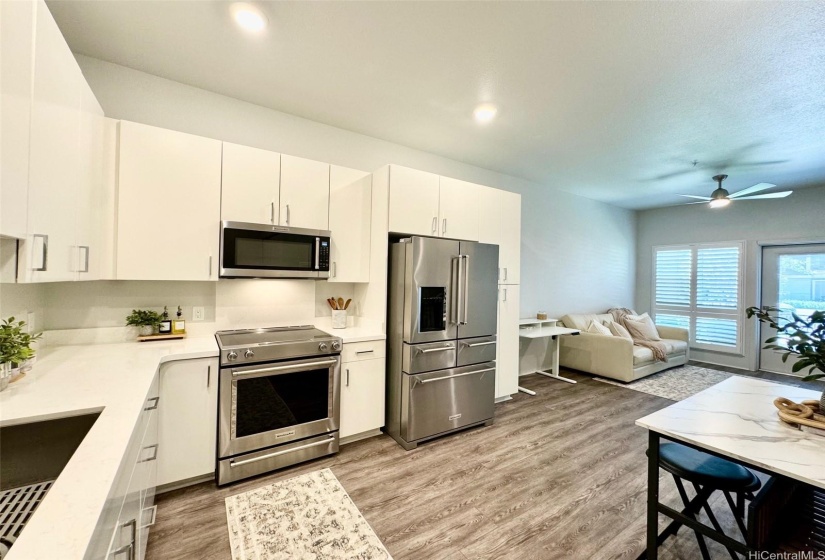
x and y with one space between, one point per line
317 253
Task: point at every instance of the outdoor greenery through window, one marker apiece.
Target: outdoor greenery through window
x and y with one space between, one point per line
698 287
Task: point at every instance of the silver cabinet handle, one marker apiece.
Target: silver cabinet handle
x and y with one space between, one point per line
85 259
504 290
154 448
155 405
505 273
130 546
277 453
435 223
466 260
210 266
442 349
364 352
287 214
272 212
347 377
44 255
281 368
473 345
444 226
208 375
154 511
454 376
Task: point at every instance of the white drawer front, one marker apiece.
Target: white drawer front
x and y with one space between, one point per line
357 351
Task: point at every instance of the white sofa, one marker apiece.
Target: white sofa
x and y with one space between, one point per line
616 357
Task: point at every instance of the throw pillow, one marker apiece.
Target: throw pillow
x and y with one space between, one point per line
642 330
597 328
617 330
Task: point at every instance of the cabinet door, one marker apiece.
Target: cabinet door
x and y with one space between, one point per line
48 254
92 199
413 201
510 240
169 200
507 351
16 67
304 193
250 180
187 420
362 396
458 209
350 212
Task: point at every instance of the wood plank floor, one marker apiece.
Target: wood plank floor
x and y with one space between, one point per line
559 475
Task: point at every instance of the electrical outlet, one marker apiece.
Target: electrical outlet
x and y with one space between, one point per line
197 313
31 322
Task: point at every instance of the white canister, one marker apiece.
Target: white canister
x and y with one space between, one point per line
339 318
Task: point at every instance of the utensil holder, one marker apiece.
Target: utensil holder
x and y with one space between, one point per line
339 318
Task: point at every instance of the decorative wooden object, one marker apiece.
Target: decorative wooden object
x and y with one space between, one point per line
806 414
161 337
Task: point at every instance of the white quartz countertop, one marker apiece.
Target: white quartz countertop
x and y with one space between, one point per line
360 333
112 379
737 418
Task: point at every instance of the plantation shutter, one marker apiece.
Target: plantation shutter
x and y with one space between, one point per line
673 274
717 277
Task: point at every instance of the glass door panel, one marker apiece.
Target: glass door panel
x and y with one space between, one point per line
793 279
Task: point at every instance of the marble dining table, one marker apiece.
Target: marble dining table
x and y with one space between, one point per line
736 419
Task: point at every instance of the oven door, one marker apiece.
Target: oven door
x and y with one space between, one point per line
267 251
270 404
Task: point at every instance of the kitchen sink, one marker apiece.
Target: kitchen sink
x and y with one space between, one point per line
32 456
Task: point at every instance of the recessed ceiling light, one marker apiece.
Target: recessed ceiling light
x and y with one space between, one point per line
249 17
485 112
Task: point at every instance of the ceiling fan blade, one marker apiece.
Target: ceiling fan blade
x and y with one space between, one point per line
699 202
756 188
705 198
781 194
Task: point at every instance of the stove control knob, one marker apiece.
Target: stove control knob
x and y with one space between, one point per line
336 345
323 347
232 356
249 354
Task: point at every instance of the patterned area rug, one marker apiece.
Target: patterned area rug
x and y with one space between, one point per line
309 517
675 384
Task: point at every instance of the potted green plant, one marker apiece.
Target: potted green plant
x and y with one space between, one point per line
145 320
798 337
16 352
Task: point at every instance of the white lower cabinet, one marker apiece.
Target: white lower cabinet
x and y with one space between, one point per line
187 418
507 351
362 388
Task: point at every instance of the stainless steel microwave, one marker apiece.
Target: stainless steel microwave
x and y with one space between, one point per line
267 251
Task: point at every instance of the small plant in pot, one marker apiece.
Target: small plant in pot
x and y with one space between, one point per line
804 338
16 352
145 320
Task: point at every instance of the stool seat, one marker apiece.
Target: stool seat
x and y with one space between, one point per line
705 469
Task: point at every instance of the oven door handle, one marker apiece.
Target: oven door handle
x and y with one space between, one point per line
273 369
234 463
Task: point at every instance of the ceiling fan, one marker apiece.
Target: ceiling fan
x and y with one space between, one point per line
721 197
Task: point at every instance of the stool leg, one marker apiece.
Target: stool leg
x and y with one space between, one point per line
736 508
692 509
703 547
714 522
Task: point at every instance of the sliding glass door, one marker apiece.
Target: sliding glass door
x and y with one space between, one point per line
793 279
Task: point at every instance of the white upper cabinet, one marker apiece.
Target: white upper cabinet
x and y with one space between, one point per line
304 196
16 67
350 217
458 209
250 184
507 350
49 253
499 222
169 205
413 201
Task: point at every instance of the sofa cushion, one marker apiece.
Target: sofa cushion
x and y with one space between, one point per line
642 355
643 329
618 330
596 327
582 320
675 346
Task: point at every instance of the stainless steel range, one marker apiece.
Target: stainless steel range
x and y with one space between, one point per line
278 399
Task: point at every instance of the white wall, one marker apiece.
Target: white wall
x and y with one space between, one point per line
798 217
577 254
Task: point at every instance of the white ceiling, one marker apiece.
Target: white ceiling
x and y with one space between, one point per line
610 100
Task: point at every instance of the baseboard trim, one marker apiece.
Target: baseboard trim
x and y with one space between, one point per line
184 483
359 437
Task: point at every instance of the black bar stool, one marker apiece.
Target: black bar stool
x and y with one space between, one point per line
707 474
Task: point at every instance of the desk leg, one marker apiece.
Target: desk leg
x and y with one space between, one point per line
652 495
555 371
528 391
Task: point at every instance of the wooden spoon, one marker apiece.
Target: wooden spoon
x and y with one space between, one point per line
340 303
346 305
332 303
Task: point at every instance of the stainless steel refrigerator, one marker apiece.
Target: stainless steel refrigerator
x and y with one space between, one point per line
441 345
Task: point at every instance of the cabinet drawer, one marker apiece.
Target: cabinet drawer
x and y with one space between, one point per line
356 351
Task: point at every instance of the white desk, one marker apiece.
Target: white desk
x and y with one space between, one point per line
545 328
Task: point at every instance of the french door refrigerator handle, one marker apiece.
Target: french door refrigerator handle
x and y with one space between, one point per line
466 289
457 375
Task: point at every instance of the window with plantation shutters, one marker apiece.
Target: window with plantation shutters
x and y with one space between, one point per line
698 287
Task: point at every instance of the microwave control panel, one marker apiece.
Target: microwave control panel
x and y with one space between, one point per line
323 255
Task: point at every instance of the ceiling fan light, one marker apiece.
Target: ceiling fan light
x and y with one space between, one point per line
719 202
